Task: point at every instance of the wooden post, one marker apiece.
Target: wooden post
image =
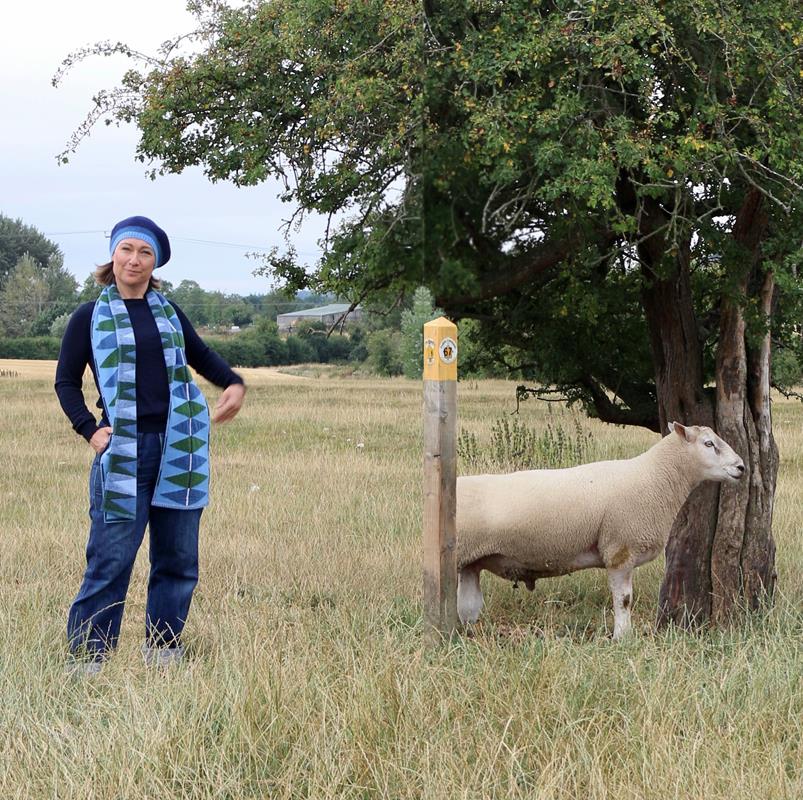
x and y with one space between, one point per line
440 479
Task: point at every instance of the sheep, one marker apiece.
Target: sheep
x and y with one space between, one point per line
611 514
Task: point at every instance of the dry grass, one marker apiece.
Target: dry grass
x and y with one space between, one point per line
307 676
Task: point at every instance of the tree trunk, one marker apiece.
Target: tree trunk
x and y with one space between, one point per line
757 555
720 554
743 555
686 591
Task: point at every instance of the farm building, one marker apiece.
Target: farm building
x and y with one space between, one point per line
329 315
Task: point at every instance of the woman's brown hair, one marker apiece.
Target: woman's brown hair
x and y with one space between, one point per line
104 276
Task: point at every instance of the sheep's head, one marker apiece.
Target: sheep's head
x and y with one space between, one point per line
715 456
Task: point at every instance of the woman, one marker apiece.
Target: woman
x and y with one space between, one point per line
151 465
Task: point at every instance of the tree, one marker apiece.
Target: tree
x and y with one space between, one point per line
18 239
209 308
612 191
265 334
193 301
23 298
480 359
37 266
236 311
62 295
59 325
89 290
61 284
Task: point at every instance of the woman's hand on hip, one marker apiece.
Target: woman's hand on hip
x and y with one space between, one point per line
100 439
229 403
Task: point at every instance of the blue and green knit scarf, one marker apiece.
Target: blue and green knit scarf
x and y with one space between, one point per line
183 480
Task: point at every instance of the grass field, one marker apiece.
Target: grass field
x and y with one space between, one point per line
307 676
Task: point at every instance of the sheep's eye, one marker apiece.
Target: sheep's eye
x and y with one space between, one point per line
709 443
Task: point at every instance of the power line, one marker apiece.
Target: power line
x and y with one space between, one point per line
212 242
70 233
224 244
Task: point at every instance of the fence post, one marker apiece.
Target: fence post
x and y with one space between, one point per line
440 479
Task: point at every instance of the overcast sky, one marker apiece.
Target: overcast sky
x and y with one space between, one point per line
76 205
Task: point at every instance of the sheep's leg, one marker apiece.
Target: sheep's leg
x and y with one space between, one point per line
620 580
469 594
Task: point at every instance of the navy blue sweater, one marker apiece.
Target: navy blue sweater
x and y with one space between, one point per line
153 393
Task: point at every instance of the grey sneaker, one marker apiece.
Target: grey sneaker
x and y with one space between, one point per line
162 657
76 668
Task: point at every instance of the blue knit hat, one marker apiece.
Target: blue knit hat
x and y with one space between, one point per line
146 230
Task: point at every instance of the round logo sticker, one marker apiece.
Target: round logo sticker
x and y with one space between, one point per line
448 350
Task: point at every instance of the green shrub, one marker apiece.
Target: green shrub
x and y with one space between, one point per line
300 351
57 310
358 351
259 346
42 348
787 371
384 357
475 358
238 351
274 351
513 447
59 325
326 349
320 344
339 347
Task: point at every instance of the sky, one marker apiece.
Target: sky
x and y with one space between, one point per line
211 226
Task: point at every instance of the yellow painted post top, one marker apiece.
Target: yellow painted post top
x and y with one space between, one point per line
440 350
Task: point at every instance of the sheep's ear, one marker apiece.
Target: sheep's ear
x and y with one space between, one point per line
680 430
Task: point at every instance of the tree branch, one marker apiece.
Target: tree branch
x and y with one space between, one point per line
594 393
519 270
608 411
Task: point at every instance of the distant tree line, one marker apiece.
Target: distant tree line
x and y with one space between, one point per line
38 295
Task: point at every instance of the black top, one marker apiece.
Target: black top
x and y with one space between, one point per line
153 392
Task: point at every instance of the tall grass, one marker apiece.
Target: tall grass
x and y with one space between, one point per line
307 677
514 446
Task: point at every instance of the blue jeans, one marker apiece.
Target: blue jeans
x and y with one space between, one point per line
93 624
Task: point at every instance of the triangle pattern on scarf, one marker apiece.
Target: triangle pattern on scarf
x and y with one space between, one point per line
190 426
185 453
188 462
189 498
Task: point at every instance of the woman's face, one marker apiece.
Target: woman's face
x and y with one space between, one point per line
133 262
